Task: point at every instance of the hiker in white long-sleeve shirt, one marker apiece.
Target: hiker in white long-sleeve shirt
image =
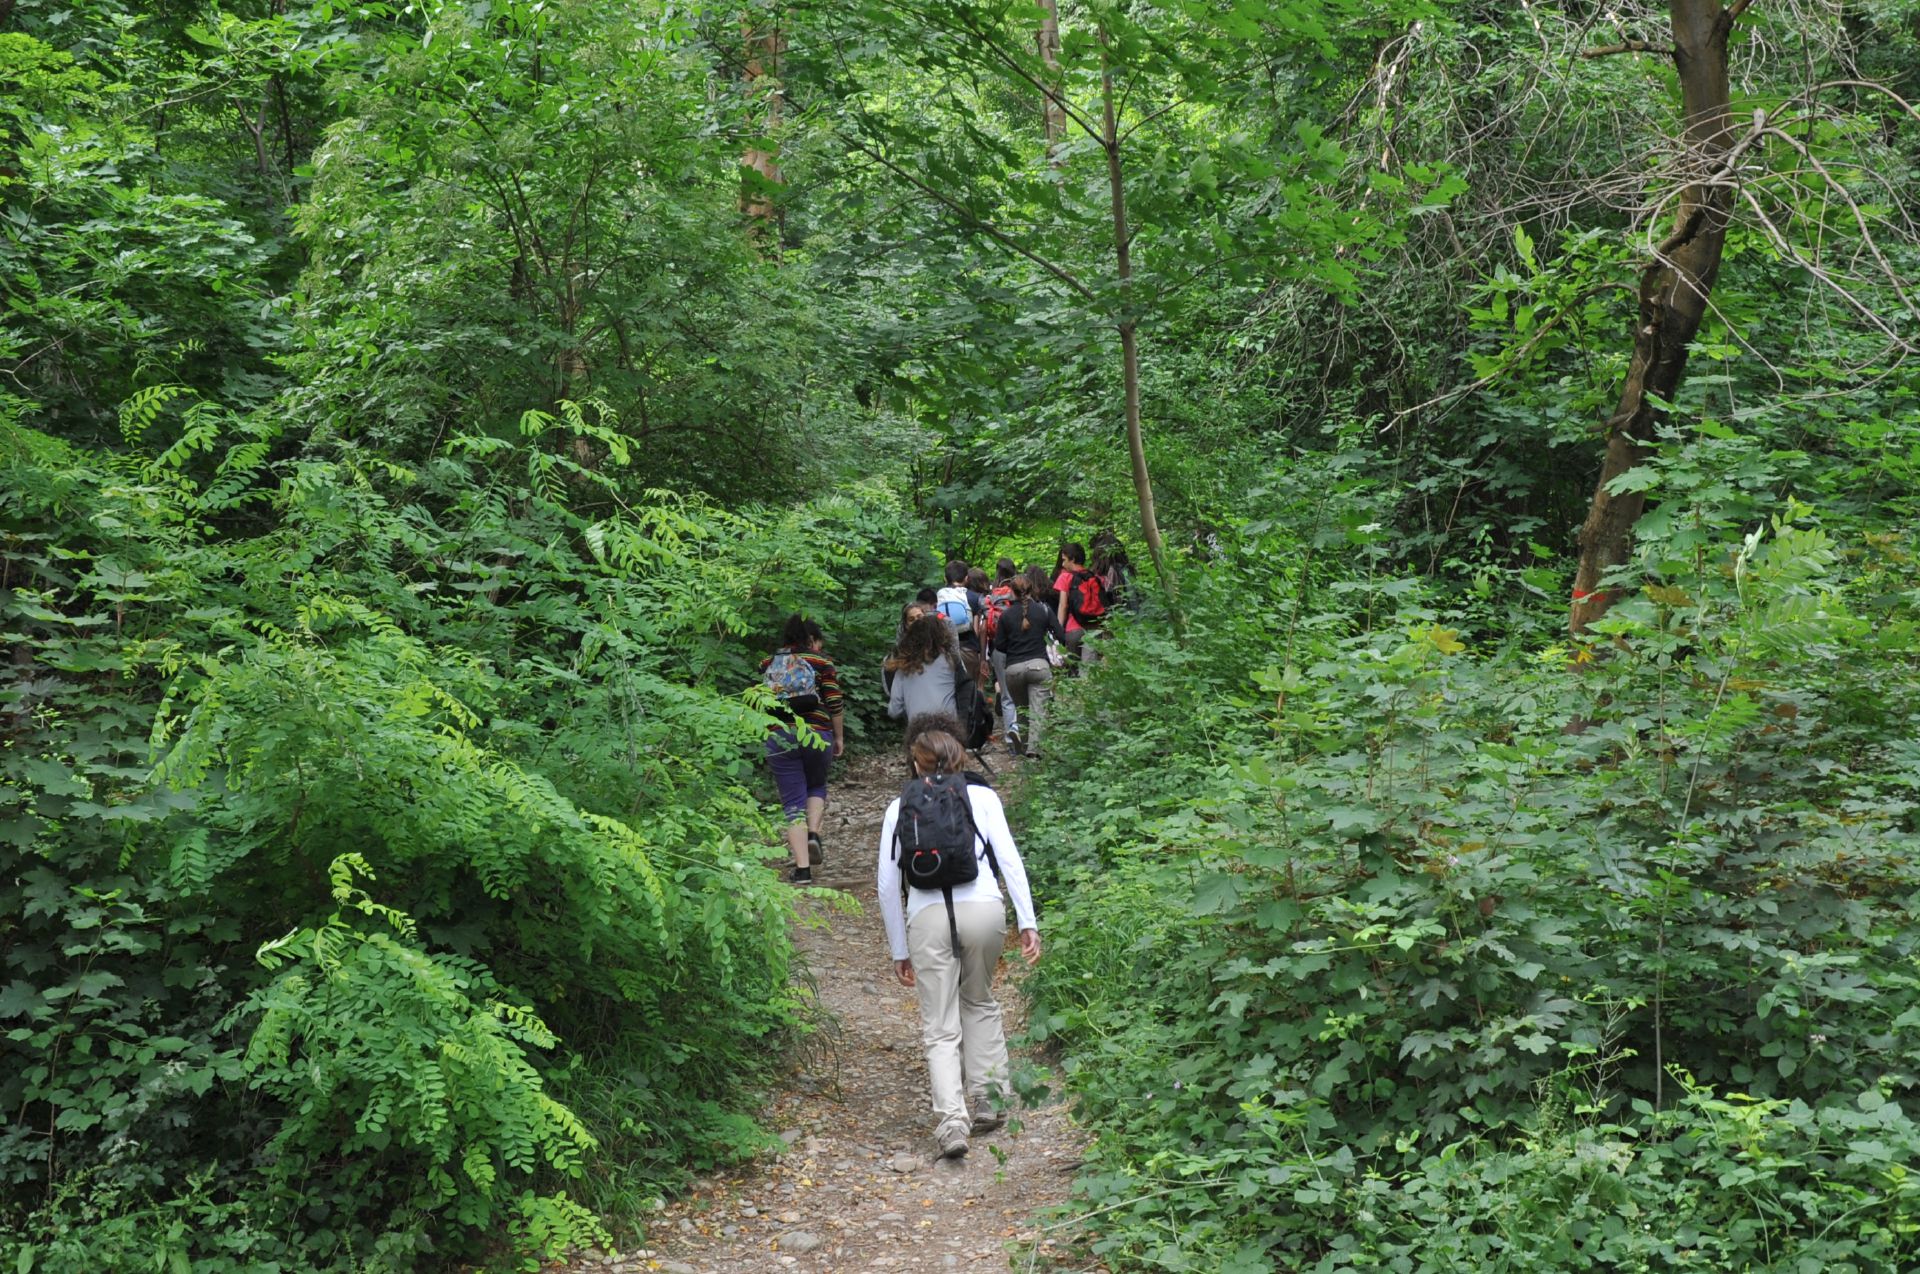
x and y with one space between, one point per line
948 953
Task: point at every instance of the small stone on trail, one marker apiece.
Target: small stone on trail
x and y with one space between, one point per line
904 1162
747 1209
892 1218
678 1267
790 1136
800 1241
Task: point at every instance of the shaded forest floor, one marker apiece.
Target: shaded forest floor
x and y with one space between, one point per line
859 1187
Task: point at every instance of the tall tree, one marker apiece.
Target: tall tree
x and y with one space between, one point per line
1674 288
1114 233
1783 175
760 165
1047 44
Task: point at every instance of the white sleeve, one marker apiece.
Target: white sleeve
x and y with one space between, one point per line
990 816
887 879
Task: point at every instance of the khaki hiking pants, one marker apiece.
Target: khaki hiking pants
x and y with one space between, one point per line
959 1018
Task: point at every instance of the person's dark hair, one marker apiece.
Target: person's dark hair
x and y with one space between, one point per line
925 641
977 580
1041 583
925 721
926 597
814 633
907 615
1108 555
1004 570
1023 598
796 633
1073 551
956 571
937 752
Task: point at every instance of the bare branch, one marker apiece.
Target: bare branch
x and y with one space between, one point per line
1628 46
1135 127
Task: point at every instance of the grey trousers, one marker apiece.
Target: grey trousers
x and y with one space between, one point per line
1007 711
1031 685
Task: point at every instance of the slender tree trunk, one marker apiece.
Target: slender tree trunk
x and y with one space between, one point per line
1048 41
1673 295
1129 334
764 46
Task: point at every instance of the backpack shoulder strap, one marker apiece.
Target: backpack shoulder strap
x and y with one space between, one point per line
992 861
953 924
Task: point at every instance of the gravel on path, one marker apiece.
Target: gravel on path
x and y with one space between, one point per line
859 1186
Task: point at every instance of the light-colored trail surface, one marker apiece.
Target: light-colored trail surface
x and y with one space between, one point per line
859 1187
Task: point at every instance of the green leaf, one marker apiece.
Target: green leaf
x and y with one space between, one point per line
21 999
1216 893
1638 478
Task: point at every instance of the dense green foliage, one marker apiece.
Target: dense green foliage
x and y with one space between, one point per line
1369 960
412 430
449 769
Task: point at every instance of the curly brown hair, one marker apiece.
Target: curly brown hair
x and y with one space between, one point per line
924 642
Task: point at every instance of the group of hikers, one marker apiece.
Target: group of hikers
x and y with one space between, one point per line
969 658
986 650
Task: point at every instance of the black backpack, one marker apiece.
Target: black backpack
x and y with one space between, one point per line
934 838
971 705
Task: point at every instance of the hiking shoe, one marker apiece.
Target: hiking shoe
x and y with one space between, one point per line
803 875
1014 743
953 1141
986 1119
816 853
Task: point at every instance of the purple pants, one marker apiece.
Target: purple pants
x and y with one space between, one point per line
799 769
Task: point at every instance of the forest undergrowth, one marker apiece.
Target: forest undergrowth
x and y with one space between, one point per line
385 868
1390 930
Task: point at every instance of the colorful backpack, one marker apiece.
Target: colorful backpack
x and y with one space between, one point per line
955 610
793 682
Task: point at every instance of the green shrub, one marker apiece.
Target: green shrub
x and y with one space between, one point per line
1417 932
245 680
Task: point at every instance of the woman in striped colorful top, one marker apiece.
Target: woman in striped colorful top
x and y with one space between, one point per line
807 732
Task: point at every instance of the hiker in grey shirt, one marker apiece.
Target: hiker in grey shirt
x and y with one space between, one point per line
926 671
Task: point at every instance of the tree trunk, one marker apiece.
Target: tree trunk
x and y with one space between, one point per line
1129 334
1054 115
763 63
1673 296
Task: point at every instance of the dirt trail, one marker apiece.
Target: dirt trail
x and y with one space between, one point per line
859 1187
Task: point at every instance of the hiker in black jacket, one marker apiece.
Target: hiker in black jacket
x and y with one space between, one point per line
1021 633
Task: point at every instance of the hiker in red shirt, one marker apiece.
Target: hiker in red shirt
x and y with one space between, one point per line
1083 598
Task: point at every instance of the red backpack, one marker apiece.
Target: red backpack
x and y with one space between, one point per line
997 602
1087 598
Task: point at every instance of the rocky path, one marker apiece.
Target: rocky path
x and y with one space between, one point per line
858 1187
